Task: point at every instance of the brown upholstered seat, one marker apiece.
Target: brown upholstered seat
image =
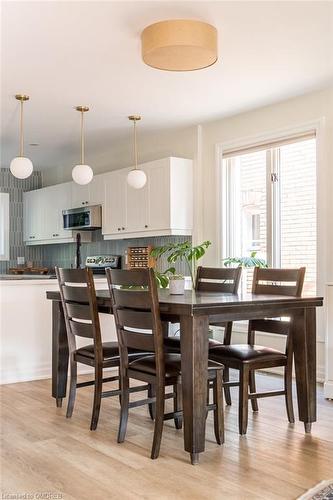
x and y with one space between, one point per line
172 365
246 353
110 350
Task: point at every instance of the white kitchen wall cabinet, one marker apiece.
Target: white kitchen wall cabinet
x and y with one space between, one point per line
32 216
42 215
114 209
163 207
89 194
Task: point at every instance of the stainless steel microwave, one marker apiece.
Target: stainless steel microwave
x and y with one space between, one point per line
85 218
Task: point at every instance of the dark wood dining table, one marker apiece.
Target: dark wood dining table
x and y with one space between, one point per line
194 311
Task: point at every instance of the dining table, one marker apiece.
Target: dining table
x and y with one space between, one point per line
194 311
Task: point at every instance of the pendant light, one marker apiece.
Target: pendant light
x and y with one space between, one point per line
136 177
82 173
21 167
179 45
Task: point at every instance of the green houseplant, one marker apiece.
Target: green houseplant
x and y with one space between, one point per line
247 262
179 252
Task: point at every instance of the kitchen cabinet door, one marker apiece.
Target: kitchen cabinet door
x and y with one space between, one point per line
56 199
158 195
114 209
96 190
79 195
89 194
32 216
137 209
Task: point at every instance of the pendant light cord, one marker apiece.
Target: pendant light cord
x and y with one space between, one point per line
21 129
82 139
135 147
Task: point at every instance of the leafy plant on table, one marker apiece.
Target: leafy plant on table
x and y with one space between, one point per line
179 252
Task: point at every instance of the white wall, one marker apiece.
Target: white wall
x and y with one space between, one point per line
152 146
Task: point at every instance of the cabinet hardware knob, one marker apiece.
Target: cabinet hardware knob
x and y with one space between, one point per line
146 225
118 228
123 228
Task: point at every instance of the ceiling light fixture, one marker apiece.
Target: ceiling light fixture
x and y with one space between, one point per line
179 45
21 167
82 173
136 178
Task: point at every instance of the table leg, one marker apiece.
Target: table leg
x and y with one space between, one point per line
59 353
194 366
304 346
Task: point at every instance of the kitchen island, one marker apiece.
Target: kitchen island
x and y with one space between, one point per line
26 327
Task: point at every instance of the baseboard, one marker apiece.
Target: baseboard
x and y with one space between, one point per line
40 372
328 389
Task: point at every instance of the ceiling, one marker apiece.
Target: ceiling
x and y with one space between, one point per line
68 53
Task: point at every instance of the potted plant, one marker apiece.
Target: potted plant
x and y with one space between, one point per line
179 252
176 284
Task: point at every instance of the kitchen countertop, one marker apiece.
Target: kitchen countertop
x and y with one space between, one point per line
4 277
37 279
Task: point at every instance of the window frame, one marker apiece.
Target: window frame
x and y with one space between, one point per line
223 183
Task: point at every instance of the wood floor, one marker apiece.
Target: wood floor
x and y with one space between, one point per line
44 452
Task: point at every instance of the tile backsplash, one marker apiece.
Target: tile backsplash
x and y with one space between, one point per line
63 255
16 187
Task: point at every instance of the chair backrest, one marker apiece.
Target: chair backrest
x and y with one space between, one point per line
79 303
135 306
269 281
218 279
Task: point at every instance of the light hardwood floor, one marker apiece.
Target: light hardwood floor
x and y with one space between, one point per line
42 451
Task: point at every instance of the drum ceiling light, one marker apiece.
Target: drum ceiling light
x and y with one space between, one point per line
179 45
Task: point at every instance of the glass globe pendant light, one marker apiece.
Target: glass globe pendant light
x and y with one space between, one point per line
136 178
21 167
82 173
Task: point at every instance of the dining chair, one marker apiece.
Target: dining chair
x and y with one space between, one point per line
218 280
246 358
135 305
79 304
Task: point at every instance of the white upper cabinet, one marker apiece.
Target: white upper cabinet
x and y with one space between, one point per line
114 208
89 194
56 199
162 207
42 214
32 216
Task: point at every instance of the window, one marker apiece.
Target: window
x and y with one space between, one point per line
270 205
4 226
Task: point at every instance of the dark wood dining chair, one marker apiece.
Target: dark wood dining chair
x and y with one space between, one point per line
246 358
79 304
136 309
219 280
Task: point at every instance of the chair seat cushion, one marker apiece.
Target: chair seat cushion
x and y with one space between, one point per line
172 344
110 350
245 353
172 362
